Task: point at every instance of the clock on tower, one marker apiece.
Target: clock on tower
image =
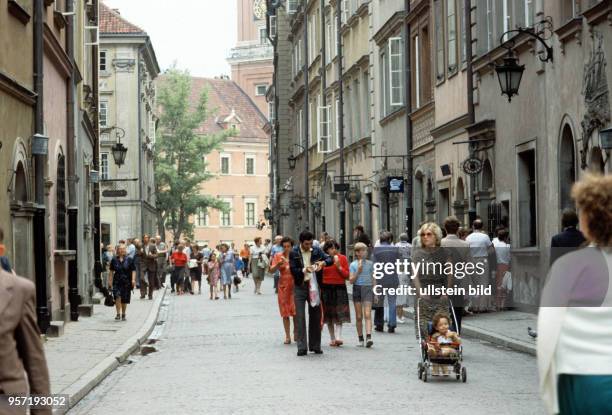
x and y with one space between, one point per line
259 9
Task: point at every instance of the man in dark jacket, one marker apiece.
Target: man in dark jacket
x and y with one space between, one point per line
569 239
385 253
306 263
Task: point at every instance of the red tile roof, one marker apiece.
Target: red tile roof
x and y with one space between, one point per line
112 22
225 95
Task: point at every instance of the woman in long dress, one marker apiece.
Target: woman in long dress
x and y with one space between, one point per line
226 259
286 303
122 280
258 263
212 269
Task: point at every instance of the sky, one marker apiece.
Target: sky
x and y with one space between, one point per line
196 34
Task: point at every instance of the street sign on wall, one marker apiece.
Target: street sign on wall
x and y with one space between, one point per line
342 187
114 193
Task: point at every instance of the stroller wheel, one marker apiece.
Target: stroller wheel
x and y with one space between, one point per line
420 370
464 374
425 376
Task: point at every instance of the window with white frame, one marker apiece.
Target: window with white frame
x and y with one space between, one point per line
292 6
249 212
103 114
357 108
337 123
346 12
451 35
103 61
462 31
417 72
226 217
273 27
440 64
324 143
225 163
384 84
396 71
328 37
300 126
249 167
365 86
528 4
263 35
260 89
104 166
201 218
271 112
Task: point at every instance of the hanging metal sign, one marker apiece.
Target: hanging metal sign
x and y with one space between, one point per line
395 184
472 166
353 196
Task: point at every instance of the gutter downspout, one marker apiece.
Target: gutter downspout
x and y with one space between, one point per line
73 273
96 161
140 184
306 115
408 195
340 111
324 101
470 101
39 233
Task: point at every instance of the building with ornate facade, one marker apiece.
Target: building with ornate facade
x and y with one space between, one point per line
127 69
50 147
456 143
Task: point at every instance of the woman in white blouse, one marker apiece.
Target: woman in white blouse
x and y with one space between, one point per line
575 317
259 262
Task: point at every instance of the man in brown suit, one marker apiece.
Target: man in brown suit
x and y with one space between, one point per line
149 268
21 350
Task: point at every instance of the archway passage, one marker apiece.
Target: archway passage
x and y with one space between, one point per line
567 168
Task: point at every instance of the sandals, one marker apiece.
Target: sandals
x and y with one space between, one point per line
287 341
333 344
118 317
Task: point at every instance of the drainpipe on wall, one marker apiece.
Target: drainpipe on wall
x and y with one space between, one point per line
140 175
306 115
73 274
40 236
470 100
323 73
408 193
96 162
340 110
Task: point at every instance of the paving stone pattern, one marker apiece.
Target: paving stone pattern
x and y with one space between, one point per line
227 357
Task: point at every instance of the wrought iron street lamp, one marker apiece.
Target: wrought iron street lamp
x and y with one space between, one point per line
293 159
119 150
510 72
267 214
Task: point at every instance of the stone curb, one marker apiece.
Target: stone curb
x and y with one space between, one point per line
95 375
495 338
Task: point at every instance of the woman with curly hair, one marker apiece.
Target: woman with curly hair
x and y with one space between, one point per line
574 336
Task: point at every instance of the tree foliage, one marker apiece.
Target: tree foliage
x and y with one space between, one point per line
180 168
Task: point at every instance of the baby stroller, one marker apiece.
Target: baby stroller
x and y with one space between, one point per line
451 361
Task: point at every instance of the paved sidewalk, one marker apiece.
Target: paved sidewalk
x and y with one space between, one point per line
94 346
507 328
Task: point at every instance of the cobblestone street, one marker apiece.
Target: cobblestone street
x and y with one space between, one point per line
228 357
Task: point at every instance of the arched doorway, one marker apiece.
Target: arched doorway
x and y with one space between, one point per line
20 190
567 168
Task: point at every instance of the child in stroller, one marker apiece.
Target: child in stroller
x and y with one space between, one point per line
441 347
442 343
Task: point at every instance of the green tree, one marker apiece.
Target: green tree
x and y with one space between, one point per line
180 168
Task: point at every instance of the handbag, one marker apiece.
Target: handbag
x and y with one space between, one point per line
109 300
263 261
507 281
193 263
237 280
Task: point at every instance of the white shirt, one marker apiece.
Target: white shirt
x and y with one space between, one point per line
306 259
502 252
256 250
479 242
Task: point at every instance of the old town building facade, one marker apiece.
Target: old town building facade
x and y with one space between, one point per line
409 115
